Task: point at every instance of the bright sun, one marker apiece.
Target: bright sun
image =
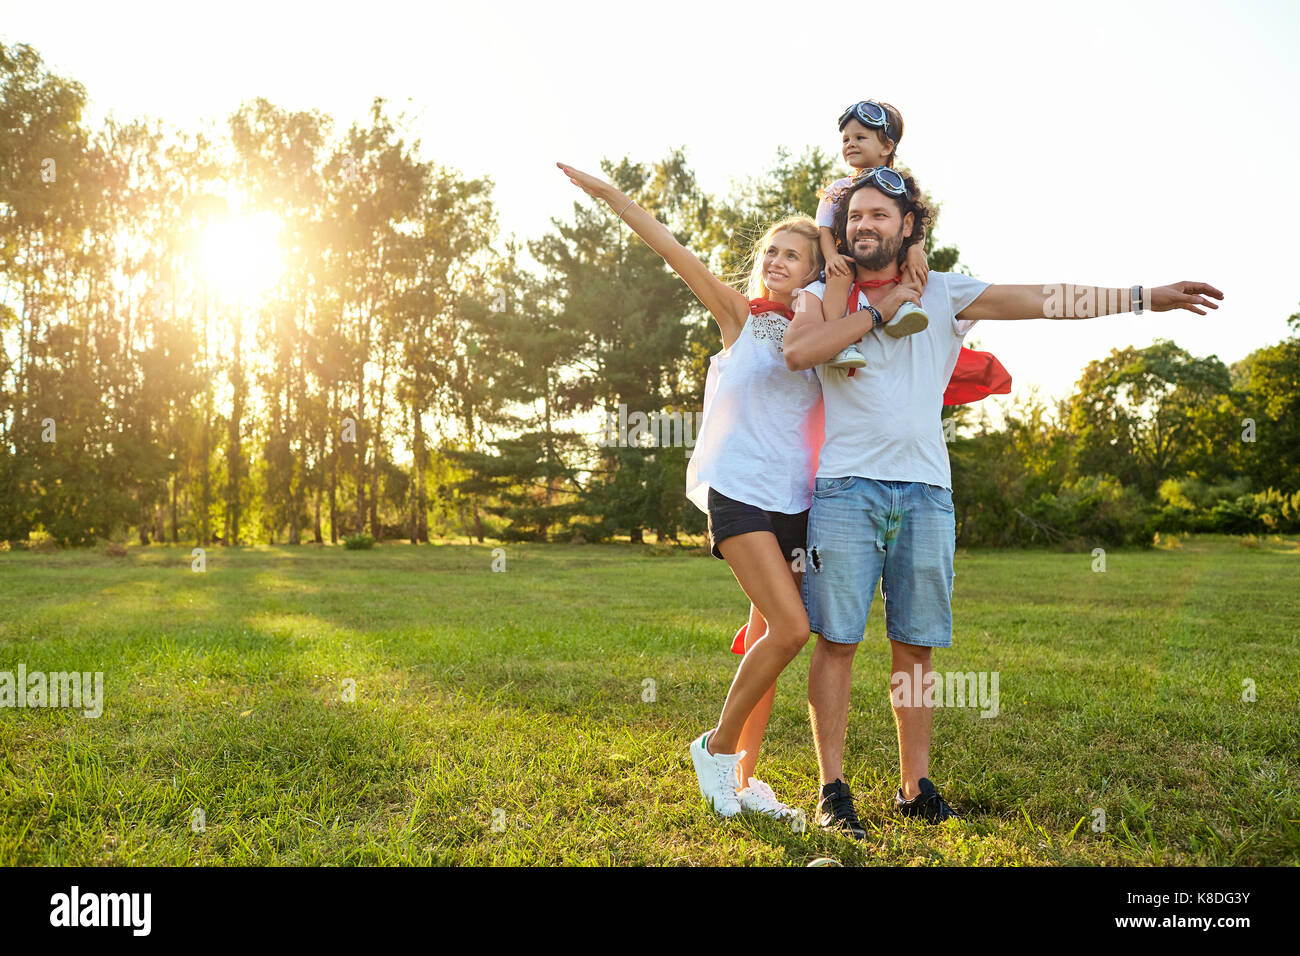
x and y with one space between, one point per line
240 256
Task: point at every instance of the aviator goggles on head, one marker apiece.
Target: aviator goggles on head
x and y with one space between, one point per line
868 113
882 176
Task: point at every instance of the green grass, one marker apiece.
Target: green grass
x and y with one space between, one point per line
519 694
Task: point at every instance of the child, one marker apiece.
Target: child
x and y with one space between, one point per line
870 132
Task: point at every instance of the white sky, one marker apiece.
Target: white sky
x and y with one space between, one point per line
1111 143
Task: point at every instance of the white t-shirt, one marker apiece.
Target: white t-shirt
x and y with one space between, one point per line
762 424
826 207
884 421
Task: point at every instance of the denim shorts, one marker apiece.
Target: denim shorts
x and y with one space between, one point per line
729 517
899 533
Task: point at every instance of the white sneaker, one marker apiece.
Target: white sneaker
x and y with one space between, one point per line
759 798
850 357
719 777
908 320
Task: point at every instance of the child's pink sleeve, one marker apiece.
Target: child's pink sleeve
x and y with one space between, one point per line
826 210
830 199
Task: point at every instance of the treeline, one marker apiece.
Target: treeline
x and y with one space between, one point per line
1152 440
140 396
410 374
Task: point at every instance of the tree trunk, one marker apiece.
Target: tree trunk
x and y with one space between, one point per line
205 504
420 524
374 462
316 496
334 467
234 451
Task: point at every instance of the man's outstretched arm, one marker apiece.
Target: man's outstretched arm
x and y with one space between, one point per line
1085 301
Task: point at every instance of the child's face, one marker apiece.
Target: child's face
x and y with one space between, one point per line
862 146
788 263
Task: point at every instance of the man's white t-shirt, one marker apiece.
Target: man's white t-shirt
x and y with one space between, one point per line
884 421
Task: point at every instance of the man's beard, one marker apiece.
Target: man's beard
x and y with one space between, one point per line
885 253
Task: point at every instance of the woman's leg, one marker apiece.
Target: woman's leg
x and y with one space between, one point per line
755 559
751 736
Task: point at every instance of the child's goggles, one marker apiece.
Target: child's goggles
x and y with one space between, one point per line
868 113
884 177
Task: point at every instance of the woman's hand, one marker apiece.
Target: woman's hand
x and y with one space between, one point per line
916 270
591 185
727 306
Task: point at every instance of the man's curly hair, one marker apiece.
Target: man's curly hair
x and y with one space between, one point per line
914 202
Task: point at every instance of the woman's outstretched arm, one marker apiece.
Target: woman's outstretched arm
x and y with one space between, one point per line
729 308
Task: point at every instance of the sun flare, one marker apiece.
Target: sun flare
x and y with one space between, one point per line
240 256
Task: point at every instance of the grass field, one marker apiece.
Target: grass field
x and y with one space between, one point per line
498 717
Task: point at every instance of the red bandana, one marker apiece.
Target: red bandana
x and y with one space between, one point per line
759 306
851 303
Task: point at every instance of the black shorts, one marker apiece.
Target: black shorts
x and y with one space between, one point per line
729 517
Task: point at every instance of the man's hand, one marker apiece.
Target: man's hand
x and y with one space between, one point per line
1184 295
891 303
840 266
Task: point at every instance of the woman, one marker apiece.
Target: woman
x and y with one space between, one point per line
752 470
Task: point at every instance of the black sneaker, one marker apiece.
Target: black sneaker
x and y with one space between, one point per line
928 804
835 812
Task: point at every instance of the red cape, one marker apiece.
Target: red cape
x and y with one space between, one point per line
977 375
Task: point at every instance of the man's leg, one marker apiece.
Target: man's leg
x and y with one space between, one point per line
829 681
912 718
917 586
845 558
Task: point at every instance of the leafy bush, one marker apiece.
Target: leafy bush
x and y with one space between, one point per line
358 542
42 542
1095 509
1188 504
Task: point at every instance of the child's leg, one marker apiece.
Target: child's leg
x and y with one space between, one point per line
909 319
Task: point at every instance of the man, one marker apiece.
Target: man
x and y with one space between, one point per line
882 505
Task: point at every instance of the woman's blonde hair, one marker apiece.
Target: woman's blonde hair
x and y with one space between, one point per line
800 226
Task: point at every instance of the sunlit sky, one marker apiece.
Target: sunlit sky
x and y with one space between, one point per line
1105 142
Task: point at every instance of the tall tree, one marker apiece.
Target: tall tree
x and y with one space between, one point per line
632 317
1264 429
1135 414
